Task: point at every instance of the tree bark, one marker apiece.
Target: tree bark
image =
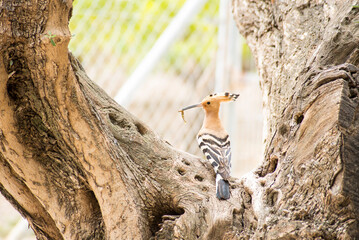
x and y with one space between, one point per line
307 57
77 165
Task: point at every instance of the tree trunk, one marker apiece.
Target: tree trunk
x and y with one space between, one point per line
304 52
78 166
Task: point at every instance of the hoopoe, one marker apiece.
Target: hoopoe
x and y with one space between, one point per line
214 141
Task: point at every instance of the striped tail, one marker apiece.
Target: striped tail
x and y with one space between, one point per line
222 188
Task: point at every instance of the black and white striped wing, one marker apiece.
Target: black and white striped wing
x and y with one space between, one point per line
218 152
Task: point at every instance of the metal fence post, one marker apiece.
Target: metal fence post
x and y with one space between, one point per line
174 30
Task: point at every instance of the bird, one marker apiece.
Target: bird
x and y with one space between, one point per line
214 140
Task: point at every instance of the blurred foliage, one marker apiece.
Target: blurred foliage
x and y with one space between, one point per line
139 26
128 29
7 224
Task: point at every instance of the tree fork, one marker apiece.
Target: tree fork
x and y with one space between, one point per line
77 165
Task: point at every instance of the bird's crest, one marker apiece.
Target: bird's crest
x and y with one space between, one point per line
221 97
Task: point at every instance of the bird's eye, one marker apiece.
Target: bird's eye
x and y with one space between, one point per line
208 103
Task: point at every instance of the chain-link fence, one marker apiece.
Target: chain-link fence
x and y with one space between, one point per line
171 53
113 37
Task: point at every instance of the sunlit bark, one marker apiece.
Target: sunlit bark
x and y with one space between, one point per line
76 165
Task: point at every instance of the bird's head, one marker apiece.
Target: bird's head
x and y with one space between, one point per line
212 102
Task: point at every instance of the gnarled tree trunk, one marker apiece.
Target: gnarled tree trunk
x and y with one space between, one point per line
78 166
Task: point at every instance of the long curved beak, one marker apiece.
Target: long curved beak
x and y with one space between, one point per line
191 106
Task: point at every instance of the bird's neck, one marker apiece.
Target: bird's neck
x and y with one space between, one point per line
212 121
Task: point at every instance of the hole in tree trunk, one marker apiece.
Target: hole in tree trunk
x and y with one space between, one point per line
198 178
163 222
273 164
181 171
299 119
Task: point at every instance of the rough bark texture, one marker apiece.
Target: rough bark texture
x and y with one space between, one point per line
304 51
78 166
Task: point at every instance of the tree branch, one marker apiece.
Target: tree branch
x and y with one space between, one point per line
76 160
